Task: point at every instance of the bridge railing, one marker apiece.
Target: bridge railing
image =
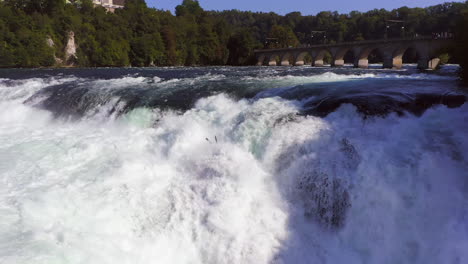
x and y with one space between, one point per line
363 42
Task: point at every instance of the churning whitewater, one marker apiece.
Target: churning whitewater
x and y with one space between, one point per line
233 165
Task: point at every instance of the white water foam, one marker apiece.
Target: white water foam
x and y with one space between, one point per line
334 77
219 184
285 82
12 90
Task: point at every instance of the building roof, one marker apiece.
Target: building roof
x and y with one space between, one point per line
110 5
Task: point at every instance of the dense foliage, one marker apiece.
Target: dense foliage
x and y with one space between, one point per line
140 36
462 44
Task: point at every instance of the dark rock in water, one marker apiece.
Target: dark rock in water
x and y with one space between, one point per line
352 157
61 100
285 119
323 188
77 100
383 104
325 199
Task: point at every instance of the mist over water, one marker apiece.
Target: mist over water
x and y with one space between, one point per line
233 165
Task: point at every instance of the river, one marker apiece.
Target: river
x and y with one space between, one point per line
233 165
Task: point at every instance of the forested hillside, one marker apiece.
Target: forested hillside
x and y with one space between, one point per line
140 36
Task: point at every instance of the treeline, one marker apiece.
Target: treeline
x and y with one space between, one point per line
140 36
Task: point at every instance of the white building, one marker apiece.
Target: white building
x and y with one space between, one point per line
110 5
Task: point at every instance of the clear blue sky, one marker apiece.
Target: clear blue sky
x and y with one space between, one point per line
306 7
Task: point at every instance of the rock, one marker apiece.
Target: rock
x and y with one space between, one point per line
325 199
50 42
70 50
324 188
384 103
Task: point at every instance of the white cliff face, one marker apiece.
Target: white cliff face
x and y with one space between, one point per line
70 49
50 42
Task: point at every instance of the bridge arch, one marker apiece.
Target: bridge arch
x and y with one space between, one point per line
286 59
341 53
436 58
399 53
322 57
363 57
301 58
273 59
261 60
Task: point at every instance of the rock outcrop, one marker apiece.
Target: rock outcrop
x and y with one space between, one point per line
51 44
70 50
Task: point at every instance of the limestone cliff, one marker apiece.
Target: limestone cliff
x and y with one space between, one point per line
50 43
70 50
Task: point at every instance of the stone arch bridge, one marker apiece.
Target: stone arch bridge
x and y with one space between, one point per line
390 50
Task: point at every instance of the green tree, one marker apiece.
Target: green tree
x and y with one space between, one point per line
189 7
141 36
52 7
147 50
170 43
241 46
284 37
462 44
